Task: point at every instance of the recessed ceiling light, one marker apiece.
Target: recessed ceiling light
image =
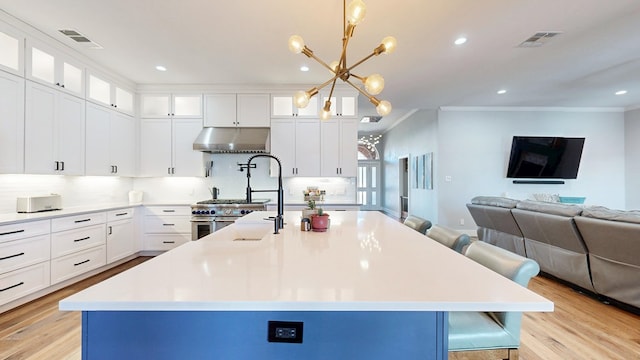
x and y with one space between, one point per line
621 92
161 68
501 92
304 68
461 40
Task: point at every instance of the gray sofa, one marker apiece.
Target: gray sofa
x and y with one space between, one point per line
496 224
613 240
594 248
553 241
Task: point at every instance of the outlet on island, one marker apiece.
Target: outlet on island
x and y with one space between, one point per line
285 331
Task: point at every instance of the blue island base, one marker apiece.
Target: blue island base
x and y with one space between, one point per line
239 335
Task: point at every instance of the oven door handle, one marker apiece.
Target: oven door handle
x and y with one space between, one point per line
224 220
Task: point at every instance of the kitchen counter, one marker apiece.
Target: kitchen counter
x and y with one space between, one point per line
366 273
11 218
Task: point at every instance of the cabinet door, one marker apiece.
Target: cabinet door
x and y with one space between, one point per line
70 124
40 129
220 110
283 146
253 110
120 240
342 104
98 160
330 157
99 90
11 123
155 106
123 100
282 107
155 147
11 50
187 106
122 137
308 147
186 161
348 147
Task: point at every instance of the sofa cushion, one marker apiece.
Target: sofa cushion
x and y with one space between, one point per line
550 208
601 212
495 201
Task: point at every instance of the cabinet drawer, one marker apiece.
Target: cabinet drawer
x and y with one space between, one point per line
24 230
167 224
121 214
74 222
165 242
25 252
69 266
22 282
168 210
70 241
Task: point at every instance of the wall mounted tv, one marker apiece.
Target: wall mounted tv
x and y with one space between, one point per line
536 157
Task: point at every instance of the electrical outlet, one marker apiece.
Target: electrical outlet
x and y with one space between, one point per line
285 331
461 221
447 178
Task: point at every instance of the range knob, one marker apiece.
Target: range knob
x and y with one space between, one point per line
249 211
213 212
243 212
194 212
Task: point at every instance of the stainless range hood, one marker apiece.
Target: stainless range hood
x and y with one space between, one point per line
233 140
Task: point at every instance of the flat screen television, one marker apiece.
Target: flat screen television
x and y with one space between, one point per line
537 157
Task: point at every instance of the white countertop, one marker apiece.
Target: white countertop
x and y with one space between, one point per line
366 261
10 218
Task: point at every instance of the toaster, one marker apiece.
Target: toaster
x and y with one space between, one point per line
31 204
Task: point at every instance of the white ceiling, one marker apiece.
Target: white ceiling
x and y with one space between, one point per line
245 43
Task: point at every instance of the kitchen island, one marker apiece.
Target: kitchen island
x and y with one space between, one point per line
368 288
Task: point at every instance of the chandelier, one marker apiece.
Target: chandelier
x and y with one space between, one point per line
373 84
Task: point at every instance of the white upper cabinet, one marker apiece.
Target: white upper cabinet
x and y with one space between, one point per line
339 143
166 147
110 142
343 103
52 67
108 93
11 50
156 106
296 142
236 110
54 131
11 124
282 107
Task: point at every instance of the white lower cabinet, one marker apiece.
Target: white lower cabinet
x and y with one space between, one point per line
24 281
120 234
78 244
24 259
166 227
69 266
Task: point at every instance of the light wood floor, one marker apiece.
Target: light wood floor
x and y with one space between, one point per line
579 328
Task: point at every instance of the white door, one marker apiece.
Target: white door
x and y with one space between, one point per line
220 110
307 147
40 129
122 144
98 161
186 161
283 146
155 147
369 184
348 147
69 142
120 240
253 110
11 124
330 156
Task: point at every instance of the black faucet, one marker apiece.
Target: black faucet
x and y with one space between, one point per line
278 222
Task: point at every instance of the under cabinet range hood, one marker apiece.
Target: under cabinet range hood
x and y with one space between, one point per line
233 140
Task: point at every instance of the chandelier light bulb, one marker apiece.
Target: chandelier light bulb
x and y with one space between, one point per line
389 43
296 44
356 12
374 84
301 99
325 113
335 65
383 108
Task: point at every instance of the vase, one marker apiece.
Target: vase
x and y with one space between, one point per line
320 222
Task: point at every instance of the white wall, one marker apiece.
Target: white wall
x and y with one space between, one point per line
474 148
632 150
415 136
75 190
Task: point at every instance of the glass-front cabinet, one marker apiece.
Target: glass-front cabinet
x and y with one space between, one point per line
282 107
53 67
157 106
108 93
11 50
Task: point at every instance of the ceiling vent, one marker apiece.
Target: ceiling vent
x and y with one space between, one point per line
539 39
370 119
80 39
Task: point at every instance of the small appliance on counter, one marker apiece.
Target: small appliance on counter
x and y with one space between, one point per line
32 204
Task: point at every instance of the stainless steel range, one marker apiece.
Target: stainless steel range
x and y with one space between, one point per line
212 215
